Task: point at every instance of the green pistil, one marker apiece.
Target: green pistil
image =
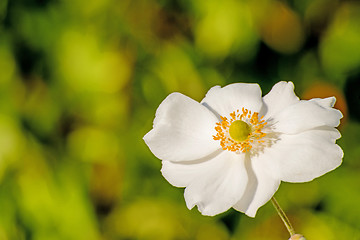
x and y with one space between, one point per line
239 130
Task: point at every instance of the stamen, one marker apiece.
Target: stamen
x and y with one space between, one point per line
240 131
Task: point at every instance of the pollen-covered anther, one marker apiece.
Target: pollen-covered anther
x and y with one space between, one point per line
240 131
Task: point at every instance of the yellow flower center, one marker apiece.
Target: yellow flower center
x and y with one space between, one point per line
240 131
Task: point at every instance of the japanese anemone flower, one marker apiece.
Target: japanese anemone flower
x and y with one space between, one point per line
235 147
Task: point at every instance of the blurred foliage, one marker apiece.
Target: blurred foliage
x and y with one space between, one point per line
79 85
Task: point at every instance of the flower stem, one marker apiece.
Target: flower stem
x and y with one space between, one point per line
283 217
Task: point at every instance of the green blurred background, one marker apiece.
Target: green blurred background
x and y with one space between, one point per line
79 85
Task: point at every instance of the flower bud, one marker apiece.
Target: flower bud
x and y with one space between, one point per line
297 237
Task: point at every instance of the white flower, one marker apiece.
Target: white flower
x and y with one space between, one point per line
235 147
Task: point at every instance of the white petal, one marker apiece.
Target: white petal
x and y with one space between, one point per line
183 130
218 186
261 186
232 97
325 102
281 96
181 174
303 116
305 156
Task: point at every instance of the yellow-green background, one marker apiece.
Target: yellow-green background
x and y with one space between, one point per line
80 81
